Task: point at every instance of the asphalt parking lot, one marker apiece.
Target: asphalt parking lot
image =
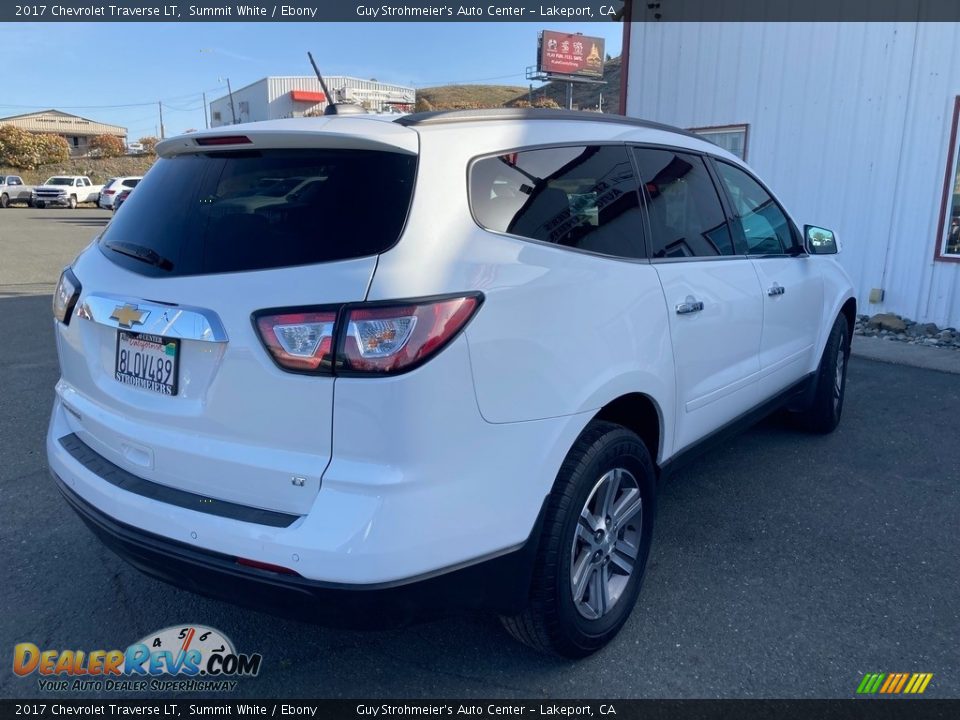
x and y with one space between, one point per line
784 565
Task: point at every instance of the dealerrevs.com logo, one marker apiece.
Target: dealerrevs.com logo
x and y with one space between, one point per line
177 658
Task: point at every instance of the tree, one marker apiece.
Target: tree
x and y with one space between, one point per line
27 151
423 105
545 102
108 146
149 143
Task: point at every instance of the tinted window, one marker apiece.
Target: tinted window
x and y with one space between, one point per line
578 197
765 227
686 217
234 211
130 183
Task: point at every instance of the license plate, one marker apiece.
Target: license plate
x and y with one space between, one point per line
148 362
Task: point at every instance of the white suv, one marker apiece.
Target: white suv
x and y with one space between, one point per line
114 187
346 365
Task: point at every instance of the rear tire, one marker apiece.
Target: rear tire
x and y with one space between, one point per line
4 201
594 546
824 413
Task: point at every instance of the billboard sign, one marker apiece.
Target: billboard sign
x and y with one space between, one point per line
570 54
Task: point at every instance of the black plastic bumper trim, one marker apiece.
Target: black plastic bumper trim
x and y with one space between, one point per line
116 475
501 583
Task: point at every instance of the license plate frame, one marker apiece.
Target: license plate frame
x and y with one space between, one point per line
157 348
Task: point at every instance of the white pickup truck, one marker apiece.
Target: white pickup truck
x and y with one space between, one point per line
66 190
12 190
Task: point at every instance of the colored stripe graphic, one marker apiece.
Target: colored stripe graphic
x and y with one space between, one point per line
894 683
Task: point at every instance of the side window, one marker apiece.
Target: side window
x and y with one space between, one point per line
686 217
765 227
578 197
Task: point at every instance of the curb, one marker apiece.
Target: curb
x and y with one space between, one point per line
900 353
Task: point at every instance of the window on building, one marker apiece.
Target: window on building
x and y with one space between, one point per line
948 244
686 217
576 197
75 140
732 138
216 116
765 227
244 107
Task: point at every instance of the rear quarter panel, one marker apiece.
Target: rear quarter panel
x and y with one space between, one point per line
560 332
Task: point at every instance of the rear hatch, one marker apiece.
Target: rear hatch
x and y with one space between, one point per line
163 370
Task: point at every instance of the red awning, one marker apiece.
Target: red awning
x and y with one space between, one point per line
307 96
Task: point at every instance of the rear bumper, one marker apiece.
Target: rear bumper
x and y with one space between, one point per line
501 583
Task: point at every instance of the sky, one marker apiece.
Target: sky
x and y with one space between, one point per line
116 72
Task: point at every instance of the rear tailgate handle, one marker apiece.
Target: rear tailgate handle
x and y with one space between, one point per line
143 316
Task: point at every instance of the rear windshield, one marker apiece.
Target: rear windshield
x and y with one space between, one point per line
253 210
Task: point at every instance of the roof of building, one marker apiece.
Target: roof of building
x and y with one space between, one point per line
327 78
59 122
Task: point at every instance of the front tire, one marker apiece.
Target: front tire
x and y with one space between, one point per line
73 202
824 413
594 546
4 201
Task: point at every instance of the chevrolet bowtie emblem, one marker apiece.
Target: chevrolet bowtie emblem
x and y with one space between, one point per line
128 315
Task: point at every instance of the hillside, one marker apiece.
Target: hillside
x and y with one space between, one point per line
585 96
454 97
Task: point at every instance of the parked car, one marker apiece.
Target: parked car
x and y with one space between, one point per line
13 190
135 148
121 198
66 191
547 313
114 187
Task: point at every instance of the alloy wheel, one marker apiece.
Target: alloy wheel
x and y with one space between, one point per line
606 543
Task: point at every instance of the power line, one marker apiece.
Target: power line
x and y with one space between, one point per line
465 82
111 107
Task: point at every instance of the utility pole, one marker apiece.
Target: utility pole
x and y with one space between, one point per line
569 96
206 122
233 113
160 105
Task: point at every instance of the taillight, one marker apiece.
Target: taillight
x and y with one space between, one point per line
66 295
396 338
364 338
300 341
109 192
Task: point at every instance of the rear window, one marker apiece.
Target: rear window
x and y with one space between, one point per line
254 210
130 183
581 197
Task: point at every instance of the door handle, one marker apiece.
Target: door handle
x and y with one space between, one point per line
776 289
690 305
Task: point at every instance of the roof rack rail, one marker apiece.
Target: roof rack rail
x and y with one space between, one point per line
437 117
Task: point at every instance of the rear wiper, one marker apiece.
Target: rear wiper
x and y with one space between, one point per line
141 253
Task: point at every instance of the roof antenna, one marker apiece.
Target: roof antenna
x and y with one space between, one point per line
333 108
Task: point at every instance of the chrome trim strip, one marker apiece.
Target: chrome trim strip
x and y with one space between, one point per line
177 321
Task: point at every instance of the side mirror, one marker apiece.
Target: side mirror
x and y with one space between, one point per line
820 241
